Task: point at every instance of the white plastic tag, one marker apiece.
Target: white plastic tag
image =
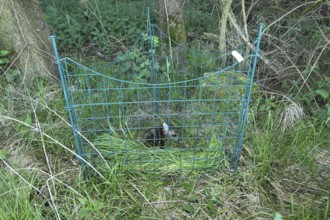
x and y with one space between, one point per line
237 56
166 128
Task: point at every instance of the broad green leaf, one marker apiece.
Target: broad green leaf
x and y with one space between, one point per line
3 53
323 93
168 190
4 61
188 208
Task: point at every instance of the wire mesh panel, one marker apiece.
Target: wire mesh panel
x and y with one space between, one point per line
160 106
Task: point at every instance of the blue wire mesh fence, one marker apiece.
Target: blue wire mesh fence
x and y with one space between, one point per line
203 96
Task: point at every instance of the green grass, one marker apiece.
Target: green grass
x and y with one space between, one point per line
280 174
15 202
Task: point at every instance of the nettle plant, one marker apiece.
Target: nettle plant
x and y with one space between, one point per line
9 73
321 94
8 76
105 27
316 99
138 62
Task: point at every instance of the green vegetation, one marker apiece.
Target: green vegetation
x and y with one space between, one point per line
284 167
273 166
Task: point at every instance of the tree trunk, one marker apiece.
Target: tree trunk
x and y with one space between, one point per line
171 19
24 33
172 22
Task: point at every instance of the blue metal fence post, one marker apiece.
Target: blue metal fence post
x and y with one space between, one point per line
247 103
152 51
67 101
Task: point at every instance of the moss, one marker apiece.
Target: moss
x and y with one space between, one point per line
177 29
6 30
219 83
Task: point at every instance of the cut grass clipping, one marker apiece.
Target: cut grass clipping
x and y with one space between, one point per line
134 155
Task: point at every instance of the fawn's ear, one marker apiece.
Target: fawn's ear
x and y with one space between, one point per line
166 128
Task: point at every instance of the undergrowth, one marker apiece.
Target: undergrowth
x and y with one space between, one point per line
283 171
281 174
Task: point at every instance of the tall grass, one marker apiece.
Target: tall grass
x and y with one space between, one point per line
279 175
16 202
